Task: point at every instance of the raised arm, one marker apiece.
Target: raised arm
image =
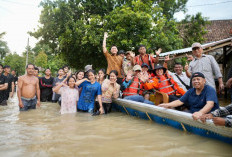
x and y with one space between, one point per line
57 88
104 42
81 81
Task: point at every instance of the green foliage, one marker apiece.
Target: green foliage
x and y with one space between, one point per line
31 55
193 28
170 7
16 62
74 29
41 59
3 46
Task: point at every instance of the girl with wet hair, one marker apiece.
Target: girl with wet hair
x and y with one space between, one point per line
69 95
80 75
110 89
90 90
101 75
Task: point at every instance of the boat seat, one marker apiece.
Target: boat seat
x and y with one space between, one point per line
159 97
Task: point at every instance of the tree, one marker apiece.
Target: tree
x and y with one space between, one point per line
193 28
170 7
16 62
75 28
41 60
3 46
31 55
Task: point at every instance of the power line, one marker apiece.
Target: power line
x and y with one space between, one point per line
209 4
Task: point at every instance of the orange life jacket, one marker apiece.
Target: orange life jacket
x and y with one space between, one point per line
166 84
134 88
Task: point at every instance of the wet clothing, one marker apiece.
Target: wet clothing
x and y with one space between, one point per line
55 96
3 80
88 95
114 62
46 89
208 66
28 103
224 112
69 98
106 106
109 91
10 79
197 102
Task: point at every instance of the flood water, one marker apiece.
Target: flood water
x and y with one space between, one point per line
44 132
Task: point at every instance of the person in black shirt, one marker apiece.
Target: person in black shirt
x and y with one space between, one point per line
13 73
46 86
3 86
10 90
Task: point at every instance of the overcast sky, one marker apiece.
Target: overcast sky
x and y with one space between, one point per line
17 17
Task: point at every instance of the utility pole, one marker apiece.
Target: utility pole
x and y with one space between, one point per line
27 54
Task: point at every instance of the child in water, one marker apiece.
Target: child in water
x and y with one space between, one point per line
69 95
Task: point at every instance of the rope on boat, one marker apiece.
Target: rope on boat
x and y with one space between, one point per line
126 110
148 116
185 130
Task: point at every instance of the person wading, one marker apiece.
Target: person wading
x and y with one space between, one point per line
28 90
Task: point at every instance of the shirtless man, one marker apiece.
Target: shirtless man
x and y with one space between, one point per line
28 89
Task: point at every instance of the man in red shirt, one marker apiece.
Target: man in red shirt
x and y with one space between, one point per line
146 58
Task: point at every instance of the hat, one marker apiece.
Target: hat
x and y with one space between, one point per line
158 66
127 52
198 74
137 67
144 64
88 67
196 45
121 52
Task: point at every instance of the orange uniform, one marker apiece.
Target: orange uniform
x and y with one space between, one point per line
165 84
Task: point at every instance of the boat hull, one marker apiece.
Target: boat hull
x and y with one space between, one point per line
176 119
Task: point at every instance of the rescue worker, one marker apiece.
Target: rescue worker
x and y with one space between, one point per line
163 82
132 86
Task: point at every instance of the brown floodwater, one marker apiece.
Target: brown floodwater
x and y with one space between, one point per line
44 132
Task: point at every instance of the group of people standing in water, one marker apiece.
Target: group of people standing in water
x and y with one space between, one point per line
133 78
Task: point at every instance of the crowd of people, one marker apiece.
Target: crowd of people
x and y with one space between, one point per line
129 77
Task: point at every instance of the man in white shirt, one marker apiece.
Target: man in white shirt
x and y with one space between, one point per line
180 77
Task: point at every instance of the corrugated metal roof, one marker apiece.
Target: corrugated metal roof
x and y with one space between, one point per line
189 49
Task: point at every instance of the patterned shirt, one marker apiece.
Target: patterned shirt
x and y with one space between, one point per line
208 66
69 98
114 63
224 112
109 91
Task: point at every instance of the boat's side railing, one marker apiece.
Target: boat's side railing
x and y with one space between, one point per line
181 117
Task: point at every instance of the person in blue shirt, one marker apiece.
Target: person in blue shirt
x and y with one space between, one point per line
201 98
90 90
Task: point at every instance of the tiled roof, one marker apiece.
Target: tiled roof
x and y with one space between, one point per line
218 30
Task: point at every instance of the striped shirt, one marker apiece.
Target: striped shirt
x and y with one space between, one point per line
114 63
224 112
208 66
